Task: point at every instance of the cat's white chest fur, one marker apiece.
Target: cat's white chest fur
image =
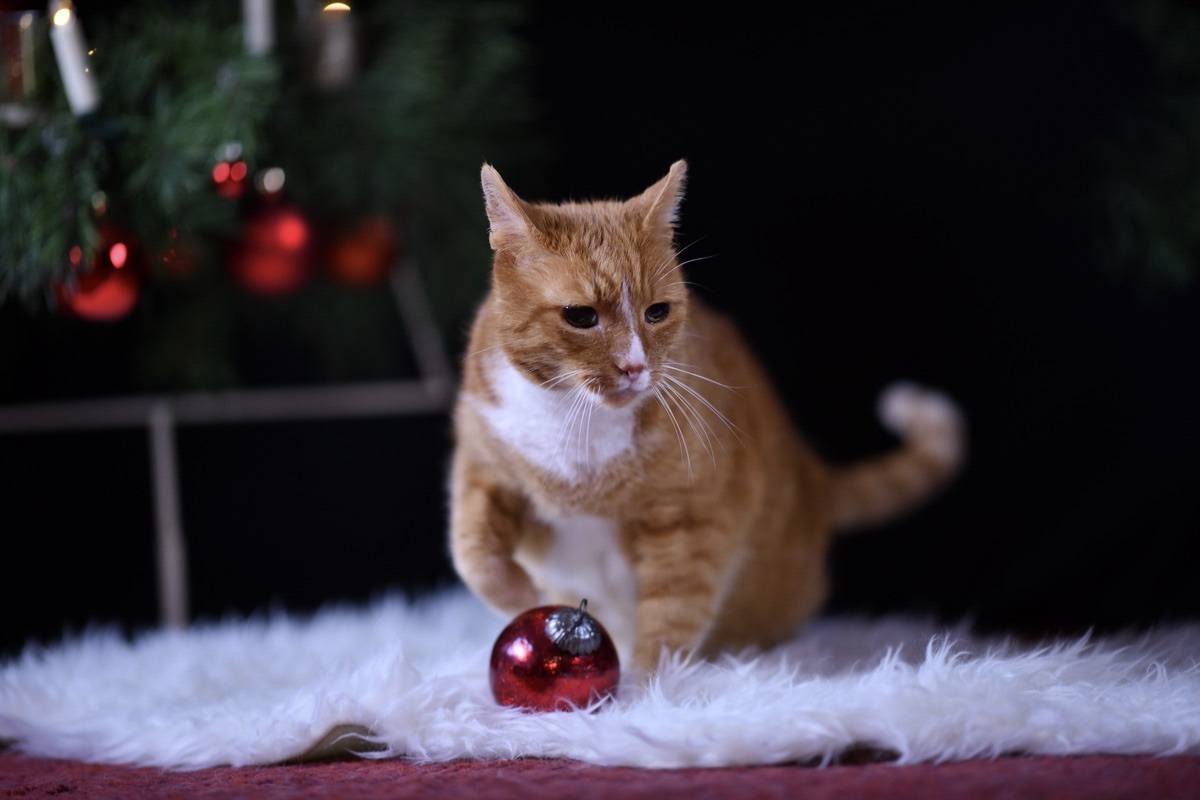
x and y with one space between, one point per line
585 562
564 432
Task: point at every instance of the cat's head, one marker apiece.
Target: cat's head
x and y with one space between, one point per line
589 295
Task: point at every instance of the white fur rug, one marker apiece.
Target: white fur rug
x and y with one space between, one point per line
414 674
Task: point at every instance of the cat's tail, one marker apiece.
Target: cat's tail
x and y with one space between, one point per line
933 448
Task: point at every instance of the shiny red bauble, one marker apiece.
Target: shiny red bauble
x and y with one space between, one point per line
110 287
554 658
363 255
275 254
231 178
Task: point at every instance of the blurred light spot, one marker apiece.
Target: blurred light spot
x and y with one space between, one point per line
270 180
292 232
117 254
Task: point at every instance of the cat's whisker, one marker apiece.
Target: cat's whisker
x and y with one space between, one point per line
568 416
587 439
699 422
663 271
670 265
571 399
482 350
569 433
581 418
551 383
679 250
707 404
663 274
695 260
674 262
589 412
704 432
659 391
679 367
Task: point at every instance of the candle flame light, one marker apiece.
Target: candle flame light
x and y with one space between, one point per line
337 57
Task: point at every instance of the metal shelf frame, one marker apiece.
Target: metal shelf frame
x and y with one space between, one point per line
160 415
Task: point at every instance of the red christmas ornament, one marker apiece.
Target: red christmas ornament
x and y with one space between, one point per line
110 289
363 256
230 178
274 256
553 658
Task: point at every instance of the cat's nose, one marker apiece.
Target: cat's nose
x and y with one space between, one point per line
631 368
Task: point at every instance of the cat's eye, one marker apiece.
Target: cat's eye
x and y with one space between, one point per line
657 312
581 316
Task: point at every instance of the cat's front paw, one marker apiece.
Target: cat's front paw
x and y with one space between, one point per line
649 655
504 587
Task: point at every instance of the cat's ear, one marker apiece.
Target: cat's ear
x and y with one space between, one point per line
661 201
507 220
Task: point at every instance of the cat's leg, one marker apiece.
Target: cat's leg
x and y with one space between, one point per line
486 526
680 570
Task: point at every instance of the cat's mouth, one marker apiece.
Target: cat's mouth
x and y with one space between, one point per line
624 390
623 395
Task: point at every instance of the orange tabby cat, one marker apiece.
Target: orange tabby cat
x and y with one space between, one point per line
616 440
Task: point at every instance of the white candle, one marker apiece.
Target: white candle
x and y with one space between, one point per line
336 56
70 50
259 26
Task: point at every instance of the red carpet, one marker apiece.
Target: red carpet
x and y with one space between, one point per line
1092 777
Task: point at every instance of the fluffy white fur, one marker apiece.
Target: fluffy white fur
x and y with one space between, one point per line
567 431
267 689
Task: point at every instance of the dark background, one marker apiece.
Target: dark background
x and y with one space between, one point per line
876 191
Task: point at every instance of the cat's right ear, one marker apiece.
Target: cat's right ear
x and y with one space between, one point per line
507 221
660 203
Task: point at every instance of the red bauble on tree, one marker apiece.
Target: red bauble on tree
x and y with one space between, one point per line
109 289
231 173
229 177
553 658
275 254
362 255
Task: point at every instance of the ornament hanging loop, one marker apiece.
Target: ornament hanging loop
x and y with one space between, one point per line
574 630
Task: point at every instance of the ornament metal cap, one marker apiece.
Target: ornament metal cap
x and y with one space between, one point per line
574 630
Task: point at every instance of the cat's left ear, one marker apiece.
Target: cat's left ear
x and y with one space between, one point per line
661 201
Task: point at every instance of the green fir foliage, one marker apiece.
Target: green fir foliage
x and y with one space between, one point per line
440 87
